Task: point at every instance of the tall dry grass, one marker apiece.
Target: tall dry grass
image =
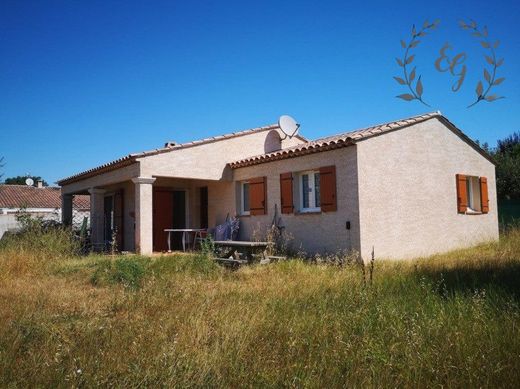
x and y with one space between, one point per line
35 249
449 320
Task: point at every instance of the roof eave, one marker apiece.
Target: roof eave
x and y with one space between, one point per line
318 148
466 138
123 162
287 154
135 157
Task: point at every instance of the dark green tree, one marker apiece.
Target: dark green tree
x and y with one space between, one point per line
507 157
20 180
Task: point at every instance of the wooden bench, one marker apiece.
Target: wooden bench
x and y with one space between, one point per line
230 262
236 250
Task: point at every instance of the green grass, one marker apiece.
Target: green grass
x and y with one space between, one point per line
449 320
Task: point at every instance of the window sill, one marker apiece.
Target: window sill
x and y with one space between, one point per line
311 212
244 215
471 212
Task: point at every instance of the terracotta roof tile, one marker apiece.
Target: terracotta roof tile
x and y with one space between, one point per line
131 158
349 138
16 196
333 142
323 144
81 202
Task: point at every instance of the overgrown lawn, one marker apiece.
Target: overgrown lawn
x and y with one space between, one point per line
449 320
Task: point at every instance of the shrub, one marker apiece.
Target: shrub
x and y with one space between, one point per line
50 244
35 247
280 241
41 238
208 246
126 271
191 264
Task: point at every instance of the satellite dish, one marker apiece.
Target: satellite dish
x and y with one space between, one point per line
29 182
288 126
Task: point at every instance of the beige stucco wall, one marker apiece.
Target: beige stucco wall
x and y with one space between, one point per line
407 193
102 180
322 232
204 165
208 161
404 203
220 200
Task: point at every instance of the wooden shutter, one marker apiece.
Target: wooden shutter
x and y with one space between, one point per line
286 192
462 193
328 189
484 198
258 196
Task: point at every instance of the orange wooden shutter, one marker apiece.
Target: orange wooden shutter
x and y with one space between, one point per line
328 189
484 198
462 193
286 192
258 196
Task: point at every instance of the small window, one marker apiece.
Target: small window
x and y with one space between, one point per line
245 198
309 183
473 193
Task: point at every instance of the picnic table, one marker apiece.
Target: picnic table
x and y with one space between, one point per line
237 247
185 233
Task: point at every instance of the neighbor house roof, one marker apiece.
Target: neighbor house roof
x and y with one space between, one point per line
131 158
349 138
17 196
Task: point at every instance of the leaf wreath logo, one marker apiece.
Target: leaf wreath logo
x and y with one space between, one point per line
457 60
408 59
491 60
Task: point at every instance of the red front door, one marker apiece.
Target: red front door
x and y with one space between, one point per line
162 218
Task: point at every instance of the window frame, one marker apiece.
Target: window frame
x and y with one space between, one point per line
312 194
471 183
243 211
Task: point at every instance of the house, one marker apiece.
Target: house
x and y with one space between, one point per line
406 188
38 201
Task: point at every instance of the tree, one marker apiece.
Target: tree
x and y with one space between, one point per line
20 180
507 157
510 145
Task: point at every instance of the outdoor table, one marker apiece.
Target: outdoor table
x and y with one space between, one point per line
249 248
185 232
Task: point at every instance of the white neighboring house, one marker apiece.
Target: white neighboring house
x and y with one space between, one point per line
39 201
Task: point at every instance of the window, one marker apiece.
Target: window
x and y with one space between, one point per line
473 193
245 198
253 196
309 184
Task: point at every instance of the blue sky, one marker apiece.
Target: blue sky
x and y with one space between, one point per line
83 83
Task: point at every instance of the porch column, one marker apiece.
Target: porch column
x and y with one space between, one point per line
97 205
66 209
143 214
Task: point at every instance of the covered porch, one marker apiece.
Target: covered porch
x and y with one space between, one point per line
133 214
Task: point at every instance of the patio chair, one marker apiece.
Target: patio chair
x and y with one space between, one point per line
225 231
